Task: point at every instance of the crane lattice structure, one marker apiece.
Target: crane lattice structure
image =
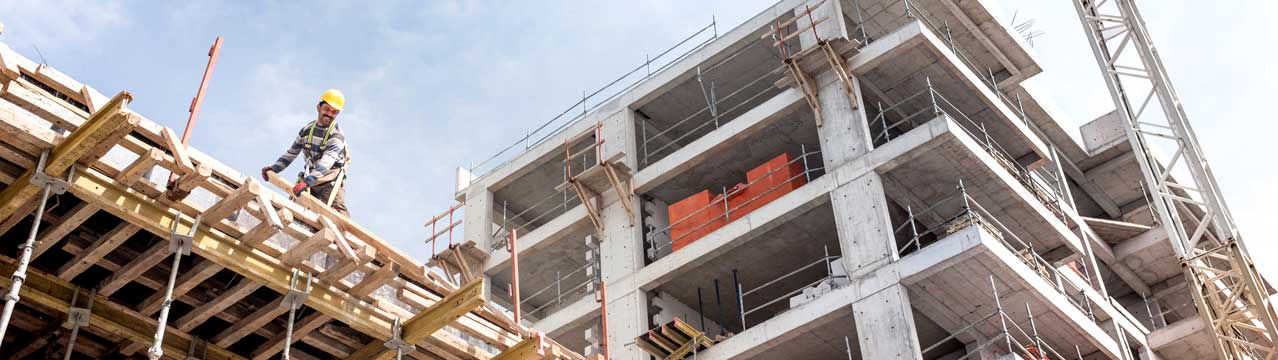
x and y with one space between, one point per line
1230 295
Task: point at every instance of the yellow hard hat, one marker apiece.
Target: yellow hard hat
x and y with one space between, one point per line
334 98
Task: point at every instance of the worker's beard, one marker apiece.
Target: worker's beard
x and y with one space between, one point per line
325 120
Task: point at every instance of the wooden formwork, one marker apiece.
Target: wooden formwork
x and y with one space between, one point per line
103 235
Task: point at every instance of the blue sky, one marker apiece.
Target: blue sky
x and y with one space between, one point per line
434 85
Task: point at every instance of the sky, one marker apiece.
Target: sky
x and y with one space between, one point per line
434 85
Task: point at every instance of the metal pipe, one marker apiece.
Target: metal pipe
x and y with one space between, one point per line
157 350
194 110
288 336
701 310
848 344
740 299
1002 318
603 316
718 299
20 274
514 272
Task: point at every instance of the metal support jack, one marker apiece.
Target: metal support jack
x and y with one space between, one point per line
48 185
77 317
397 342
296 297
180 245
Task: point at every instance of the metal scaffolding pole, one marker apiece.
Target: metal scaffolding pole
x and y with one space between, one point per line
396 341
48 185
296 297
180 245
77 317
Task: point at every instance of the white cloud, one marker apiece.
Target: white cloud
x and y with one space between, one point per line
61 22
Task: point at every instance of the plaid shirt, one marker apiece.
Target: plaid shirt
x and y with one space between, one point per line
325 149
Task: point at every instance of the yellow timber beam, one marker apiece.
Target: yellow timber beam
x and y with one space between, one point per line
529 349
101 126
421 326
106 317
157 218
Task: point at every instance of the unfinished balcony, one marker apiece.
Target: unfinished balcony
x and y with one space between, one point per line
971 249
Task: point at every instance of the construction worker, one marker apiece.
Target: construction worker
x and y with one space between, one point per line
325 148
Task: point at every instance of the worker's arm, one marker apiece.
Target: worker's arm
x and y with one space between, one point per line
289 155
333 150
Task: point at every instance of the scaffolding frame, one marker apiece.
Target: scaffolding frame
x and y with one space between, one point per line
1230 295
790 59
593 141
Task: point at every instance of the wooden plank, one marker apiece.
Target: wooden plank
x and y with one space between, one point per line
237 200
66 153
250 323
19 214
469 298
411 267
106 317
95 252
186 183
140 264
375 280
303 327
305 248
189 279
132 173
197 316
180 155
111 140
156 218
51 236
342 244
531 348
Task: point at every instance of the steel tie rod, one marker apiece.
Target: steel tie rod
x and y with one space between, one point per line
180 245
48 185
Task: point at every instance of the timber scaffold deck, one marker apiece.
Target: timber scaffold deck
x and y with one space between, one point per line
106 237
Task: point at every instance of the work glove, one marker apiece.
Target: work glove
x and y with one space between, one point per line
302 185
270 169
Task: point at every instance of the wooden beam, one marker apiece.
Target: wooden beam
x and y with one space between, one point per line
140 264
189 279
95 252
111 140
237 200
186 183
68 152
132 173
375 280
180 154
250 323
303 327
156 218
224 300
106 317
532 348
51 236
412 268
469 298
306 247
20 213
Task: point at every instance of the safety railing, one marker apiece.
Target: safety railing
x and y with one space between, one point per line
927 104
1010 338
881 19
718 109
532 217
1167 306
812 169
960 211
809 276
589 101
445 231
563 290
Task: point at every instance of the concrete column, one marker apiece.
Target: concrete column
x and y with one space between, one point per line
478 227
621 249
885 325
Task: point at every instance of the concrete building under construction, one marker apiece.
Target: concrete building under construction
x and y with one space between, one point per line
860 179
867 179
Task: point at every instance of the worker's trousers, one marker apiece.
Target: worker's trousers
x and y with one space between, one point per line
322 191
